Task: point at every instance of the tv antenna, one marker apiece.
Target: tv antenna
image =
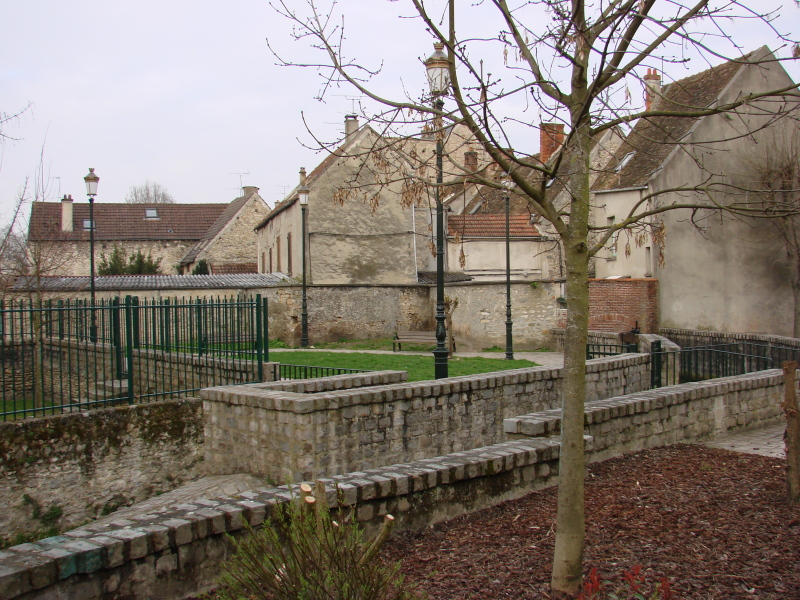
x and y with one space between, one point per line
352 99
241 185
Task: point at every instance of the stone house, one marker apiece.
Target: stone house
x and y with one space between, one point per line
714 271
177 234
366 222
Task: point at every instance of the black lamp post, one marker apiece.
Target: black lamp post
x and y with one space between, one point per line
509 324
437 67
302 194
91 190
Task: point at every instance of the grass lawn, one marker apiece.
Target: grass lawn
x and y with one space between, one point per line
419 368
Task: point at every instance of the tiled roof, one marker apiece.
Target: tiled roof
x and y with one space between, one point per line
218 225
653 139
149 282
483 225
124 221
429 277
235 268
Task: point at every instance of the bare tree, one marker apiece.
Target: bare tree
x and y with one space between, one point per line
572 62
150 192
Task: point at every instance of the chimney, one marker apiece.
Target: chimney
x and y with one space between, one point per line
350 125
66 213
551 136
652 88
471 161
302 175
249 190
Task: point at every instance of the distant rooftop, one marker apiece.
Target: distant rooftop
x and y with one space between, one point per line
150 282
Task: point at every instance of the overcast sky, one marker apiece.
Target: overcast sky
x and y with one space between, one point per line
187 94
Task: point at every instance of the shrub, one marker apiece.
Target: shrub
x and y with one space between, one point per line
304 554
633 587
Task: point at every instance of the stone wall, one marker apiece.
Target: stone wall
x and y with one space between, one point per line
338 312
691 411
93 462
178 552
287 433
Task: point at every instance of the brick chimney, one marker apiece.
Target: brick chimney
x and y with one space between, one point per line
551 136
652 88
350 125
249 190
66 213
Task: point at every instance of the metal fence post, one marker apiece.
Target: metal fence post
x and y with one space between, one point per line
129 345
135 316
201 340
656 357
259 339
265 323
116 337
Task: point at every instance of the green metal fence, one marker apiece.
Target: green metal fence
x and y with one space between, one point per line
62 356
281 372
599 350
698 363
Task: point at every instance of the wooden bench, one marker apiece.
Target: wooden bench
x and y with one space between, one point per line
414 337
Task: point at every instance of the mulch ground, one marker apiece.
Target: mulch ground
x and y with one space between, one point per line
714 523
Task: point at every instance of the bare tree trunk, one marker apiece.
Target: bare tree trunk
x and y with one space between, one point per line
570 531
792 438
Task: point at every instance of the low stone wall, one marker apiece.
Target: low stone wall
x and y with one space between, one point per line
82 465
288 434
177 552
691 411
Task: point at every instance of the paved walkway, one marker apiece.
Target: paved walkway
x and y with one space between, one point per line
766 442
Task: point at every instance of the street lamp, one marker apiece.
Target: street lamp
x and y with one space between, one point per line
91 190
509 335
438 69
302 194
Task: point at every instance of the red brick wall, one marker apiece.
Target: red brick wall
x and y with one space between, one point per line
615 305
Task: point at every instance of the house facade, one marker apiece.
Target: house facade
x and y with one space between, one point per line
58 234
715 271
365 222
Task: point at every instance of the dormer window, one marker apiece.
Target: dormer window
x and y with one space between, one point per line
87 224
150 213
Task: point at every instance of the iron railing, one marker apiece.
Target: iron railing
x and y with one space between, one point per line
698 363
281 372
50 361
598 350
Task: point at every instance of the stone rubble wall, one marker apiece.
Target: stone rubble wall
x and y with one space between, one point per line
88 463
177 552
292 436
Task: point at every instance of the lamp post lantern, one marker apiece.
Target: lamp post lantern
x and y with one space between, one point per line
91 190
438 70
509 324
302 194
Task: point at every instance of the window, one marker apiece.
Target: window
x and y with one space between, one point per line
270 261
289 254
278 257
150 213
648 269
612 242
87 224
263 262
